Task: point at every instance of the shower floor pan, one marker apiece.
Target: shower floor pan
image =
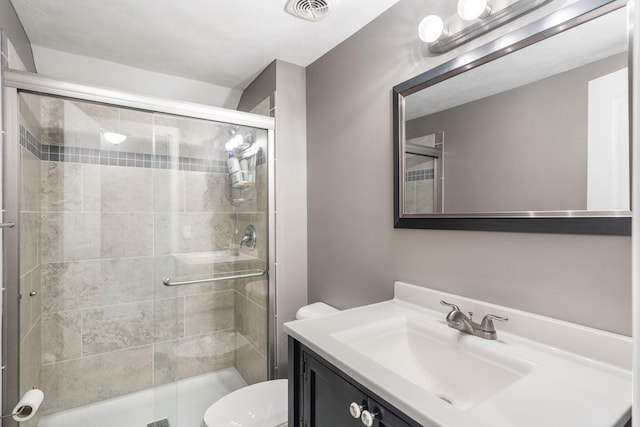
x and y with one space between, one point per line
183 403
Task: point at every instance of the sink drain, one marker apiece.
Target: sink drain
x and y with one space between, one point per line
446 399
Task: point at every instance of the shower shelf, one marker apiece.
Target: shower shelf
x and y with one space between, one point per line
256 273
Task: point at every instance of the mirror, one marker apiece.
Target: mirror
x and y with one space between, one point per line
527 133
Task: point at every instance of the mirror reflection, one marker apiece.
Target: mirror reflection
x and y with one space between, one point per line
542 129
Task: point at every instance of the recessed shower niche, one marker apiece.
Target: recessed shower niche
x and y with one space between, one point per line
104 222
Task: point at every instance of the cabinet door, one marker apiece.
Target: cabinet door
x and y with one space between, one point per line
327 397
385 418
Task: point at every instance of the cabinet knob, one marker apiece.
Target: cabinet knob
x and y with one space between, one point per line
355 409
367 418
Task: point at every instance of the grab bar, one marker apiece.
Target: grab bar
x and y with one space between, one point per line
167 281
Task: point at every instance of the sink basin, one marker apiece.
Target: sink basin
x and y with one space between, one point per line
455 367
539 372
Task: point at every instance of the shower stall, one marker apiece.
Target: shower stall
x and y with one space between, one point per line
131 298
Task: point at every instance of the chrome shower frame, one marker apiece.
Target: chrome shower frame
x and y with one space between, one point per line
14 81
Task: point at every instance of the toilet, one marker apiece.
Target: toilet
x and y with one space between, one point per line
263 404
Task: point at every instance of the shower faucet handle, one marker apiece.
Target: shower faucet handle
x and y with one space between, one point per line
250 237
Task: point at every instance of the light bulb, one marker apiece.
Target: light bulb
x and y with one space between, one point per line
431 28
114 137
473 9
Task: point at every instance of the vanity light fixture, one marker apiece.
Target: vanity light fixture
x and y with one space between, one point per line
431 28
470 10
474 18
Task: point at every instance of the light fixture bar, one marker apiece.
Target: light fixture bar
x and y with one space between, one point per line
494 20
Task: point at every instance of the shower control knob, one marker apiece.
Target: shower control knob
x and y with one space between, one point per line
355 409
367 418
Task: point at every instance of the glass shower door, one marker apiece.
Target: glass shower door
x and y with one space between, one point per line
114 202
211 286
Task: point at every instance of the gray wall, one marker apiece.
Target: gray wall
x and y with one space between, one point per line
260 88
355 254
530 155
11 25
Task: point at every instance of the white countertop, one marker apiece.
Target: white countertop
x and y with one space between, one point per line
573 375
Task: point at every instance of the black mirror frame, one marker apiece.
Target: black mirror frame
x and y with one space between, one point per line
557 22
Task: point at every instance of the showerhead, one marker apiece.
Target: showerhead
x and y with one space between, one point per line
238 139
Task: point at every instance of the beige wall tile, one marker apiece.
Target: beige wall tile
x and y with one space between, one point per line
257 291
60 186
83 284
207 192
117 189
25 305
61 336
30 350
424 196
30 182
36 300
191 356
77 382
106 329
249 362
410 197
193 232
126 235
251 322
169 190
29 240
209 312
169 318
29 106
52 118
70 236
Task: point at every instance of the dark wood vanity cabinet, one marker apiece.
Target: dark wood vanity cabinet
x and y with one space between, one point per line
320 395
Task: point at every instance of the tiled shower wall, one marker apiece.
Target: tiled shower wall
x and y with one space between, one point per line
109 226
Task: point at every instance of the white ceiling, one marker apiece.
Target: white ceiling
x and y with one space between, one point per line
223 42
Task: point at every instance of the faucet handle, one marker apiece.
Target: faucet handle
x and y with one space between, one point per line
487 322
453 306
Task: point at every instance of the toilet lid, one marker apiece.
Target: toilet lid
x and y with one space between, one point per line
258 405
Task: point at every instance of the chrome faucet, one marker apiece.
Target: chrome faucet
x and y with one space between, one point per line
456 319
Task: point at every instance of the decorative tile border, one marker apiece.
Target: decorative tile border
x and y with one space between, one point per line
56 153
418 175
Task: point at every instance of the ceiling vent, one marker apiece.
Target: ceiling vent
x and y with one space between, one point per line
311 10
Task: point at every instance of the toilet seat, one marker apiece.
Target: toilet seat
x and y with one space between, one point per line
260 405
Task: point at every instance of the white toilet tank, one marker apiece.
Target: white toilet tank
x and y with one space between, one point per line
263 404
316 309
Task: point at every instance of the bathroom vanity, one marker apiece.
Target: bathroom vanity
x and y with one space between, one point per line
403 363
325 396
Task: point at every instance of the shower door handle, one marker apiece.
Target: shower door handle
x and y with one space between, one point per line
7 224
